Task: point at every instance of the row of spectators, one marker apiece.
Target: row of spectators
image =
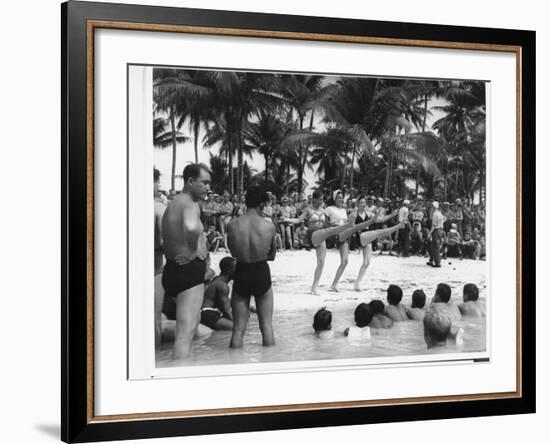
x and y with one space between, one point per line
464 226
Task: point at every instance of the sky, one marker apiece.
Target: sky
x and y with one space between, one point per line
186 153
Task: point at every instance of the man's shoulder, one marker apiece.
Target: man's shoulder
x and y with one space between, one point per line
269 226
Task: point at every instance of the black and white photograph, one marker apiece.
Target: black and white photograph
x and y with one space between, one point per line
312 217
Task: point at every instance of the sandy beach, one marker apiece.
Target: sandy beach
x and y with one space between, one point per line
292 274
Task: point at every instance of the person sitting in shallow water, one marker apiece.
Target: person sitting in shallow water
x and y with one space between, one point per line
322 324
395 310
471 305
442 298
438 328
363 317
417 311
216 307
379 319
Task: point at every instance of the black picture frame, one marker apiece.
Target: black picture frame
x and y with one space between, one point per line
77 425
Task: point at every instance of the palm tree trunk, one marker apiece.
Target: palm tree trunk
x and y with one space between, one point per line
423 130
230 162
306 153
343 181
266 156
456 181
300 156
229 134
240 179
388 176
173 125
196 127
287 176
352 166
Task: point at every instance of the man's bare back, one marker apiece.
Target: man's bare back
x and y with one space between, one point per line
250 238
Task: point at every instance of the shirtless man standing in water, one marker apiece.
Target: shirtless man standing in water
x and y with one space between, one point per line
251 240
185 250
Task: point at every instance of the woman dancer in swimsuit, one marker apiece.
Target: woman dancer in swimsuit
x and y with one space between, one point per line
318 232
364 215
337 216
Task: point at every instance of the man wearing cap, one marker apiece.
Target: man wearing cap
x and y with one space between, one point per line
436 233
404 232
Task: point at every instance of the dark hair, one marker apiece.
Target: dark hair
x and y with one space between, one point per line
471 291
331 202
363 315
193 171
376 307
226 265
317 194
156 175
418 299
322 320
255 196
444 292
395 294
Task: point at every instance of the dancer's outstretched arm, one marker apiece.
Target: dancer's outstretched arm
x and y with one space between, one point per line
369 236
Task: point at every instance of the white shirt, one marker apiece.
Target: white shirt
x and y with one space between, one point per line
437 219
355 332
403 214
336 216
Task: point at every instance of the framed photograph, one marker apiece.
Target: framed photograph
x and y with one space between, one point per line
275 221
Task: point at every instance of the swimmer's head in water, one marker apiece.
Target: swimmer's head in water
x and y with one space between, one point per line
362 315
322 320
196 180
437 326
227 266
443 292
255 196
418 299
376 307
395 294
470 292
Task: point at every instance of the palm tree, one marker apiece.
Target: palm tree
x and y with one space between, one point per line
264 136
302 93
168 101
462 127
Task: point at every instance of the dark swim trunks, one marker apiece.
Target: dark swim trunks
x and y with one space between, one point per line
252 279
209 317
178 278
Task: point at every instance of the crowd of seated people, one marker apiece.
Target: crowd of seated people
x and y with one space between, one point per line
463 230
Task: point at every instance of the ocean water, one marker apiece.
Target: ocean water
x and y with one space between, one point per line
295 341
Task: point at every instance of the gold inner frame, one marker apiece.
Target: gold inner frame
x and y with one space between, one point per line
97 24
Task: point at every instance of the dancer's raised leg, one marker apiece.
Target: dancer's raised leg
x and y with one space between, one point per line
369 236
323 234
